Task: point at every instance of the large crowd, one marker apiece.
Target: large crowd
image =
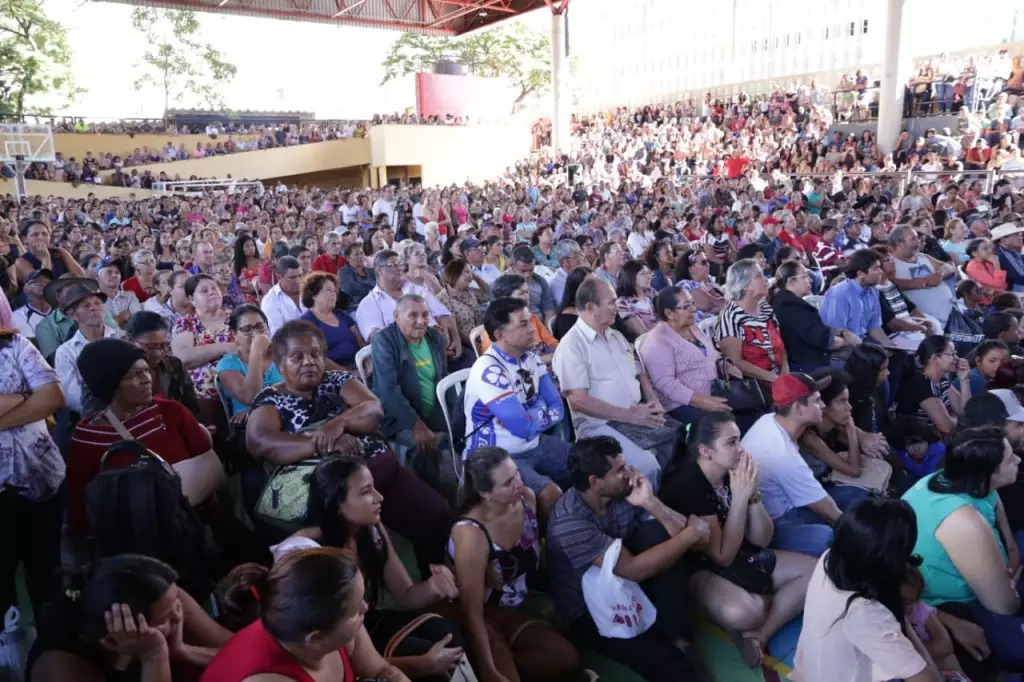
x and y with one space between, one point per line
339 434
224 138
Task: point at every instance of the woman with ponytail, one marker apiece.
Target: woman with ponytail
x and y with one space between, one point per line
855 628
748 589
310 608
123 620
495 547
345 507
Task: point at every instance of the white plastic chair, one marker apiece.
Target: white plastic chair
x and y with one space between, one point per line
476 335
814 300
707 325
364 365
637 345
458 381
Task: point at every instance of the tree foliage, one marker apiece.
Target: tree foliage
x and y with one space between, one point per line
188 72
517 53
34 57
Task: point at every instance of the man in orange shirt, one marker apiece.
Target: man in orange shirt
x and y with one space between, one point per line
514 286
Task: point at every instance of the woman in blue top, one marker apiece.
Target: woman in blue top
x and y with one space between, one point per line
971 561
320 296
247 371
543 247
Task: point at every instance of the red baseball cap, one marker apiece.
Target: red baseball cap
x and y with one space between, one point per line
789 388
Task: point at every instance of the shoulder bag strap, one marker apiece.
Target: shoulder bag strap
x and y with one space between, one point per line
118 425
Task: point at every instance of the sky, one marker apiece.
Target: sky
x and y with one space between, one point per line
332 71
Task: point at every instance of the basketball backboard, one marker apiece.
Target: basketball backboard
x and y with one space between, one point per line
29 142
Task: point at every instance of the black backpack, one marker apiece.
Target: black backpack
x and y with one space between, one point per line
136 506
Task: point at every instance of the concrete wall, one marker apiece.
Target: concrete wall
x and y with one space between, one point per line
439 155
64 189
355 176
77 144
269 163
450 154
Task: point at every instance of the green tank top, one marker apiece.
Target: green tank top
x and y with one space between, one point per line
942 581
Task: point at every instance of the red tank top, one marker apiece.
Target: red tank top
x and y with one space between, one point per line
252 651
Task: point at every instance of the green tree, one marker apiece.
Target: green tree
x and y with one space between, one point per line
511 51
186 70
34 57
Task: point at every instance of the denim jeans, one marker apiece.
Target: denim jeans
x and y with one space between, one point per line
801 530
1004 634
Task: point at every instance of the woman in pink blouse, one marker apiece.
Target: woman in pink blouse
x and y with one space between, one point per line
679 358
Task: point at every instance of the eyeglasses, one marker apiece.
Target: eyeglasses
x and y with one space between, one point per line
252 328
390 266
155 345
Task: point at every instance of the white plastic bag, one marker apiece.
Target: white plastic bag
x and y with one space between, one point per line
619 607
15 642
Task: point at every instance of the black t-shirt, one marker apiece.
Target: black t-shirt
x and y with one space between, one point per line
916 390
686 490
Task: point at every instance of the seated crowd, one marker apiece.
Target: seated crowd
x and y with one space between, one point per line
337 435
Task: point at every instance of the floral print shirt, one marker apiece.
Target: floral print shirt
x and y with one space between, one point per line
204 376
465 307
30 462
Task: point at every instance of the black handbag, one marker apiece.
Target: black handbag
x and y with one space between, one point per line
963 331
742 395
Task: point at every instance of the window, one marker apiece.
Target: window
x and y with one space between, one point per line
826 33
853 28
865 29
787 40
753 46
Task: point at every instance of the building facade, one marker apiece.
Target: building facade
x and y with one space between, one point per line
632 52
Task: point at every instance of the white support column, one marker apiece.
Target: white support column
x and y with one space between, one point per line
561 115
895 72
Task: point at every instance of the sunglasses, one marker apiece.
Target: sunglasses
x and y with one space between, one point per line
529 386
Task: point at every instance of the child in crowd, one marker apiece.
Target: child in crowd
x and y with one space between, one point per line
932 633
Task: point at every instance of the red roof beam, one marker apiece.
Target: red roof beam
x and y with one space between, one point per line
305 16
475 4
465 9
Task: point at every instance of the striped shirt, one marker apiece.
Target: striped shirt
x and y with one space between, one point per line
576 537
166 427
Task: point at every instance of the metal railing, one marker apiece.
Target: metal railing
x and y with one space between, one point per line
194 188
857 106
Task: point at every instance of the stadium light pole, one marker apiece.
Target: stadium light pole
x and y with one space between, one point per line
894 78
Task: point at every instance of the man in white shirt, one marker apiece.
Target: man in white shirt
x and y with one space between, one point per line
28 316
419 220
567 251
802 510
386 205
377 309
601 379
348 211
920 277
82 301
282 303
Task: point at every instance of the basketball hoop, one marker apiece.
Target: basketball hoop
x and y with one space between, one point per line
22 144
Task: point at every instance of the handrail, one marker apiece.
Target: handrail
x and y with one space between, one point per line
858 107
